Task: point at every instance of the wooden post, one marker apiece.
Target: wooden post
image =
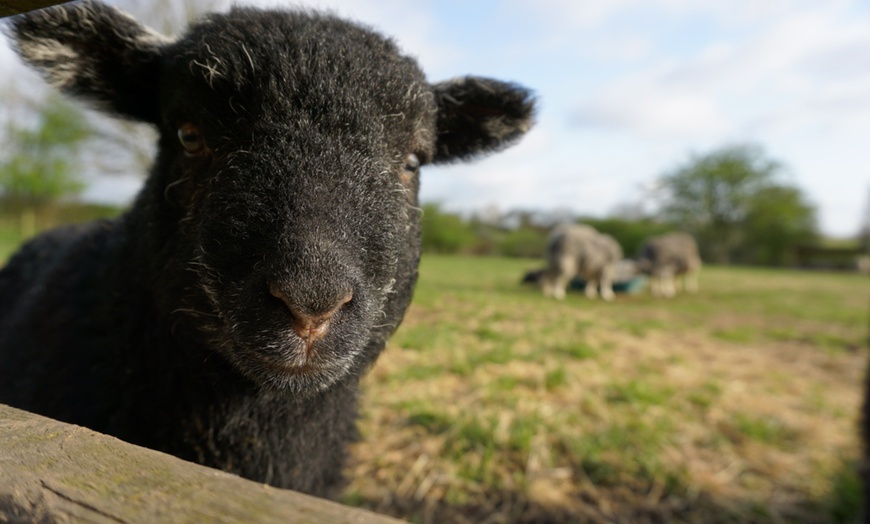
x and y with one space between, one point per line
13 7
56 472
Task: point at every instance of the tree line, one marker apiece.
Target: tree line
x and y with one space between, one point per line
740 205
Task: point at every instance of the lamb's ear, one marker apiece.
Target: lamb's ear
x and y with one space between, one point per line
96 53
479 115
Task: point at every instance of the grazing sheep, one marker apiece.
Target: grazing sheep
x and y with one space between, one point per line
580 250
228 316
668 256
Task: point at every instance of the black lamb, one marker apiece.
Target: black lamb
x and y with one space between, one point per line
228 315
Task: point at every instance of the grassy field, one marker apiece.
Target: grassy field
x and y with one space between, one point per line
738 404
493 404
18 225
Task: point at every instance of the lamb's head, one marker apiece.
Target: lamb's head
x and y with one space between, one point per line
282 206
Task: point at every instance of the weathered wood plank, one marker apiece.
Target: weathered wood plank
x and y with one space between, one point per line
13 7
51 471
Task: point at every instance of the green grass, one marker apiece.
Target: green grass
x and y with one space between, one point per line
741 335
15 228
706 395
574 349
735 404
555 378
10 239
639 393
641 440
768 430
844 500
432 422
424 337
708 407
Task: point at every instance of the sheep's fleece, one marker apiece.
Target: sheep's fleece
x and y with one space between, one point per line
227 317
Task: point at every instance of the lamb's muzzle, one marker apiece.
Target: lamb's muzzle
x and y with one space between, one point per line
310 325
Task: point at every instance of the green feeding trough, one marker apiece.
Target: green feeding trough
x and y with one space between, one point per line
630 285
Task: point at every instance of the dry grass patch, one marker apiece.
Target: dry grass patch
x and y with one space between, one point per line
493 404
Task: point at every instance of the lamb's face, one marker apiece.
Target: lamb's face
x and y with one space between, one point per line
282 208
299 257
298 186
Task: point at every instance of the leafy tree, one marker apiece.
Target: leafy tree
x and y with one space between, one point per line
41 162
526 242
729 198
630 233
445 232
778 219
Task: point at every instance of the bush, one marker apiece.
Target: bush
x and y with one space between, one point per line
523 242
445 233
630 234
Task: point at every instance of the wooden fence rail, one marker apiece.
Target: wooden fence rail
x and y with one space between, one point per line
13 7
56 472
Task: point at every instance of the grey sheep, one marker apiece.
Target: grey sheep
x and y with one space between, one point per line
580 250
666 257
228 315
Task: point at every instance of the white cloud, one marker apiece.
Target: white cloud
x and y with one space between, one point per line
590 14
650 81
114 190
796 67
653 112
627 47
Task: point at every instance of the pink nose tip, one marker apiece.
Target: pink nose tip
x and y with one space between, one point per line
309 327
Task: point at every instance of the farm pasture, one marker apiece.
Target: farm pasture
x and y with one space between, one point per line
494 404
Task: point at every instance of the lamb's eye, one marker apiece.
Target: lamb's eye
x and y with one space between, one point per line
412 164
410 170
191 139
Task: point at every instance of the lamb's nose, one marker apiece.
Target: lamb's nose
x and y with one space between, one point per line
310 323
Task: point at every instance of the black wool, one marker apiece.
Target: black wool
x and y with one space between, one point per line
228 315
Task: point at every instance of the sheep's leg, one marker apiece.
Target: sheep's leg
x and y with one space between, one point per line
669 288
555 285
566 270
592 288
655 285
607 290
547 285
663 283
607 285
560 285
547 289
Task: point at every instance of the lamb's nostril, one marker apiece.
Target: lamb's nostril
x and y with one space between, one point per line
345 300
309 326
276 292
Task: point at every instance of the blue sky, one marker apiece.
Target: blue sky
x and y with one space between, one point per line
628 89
